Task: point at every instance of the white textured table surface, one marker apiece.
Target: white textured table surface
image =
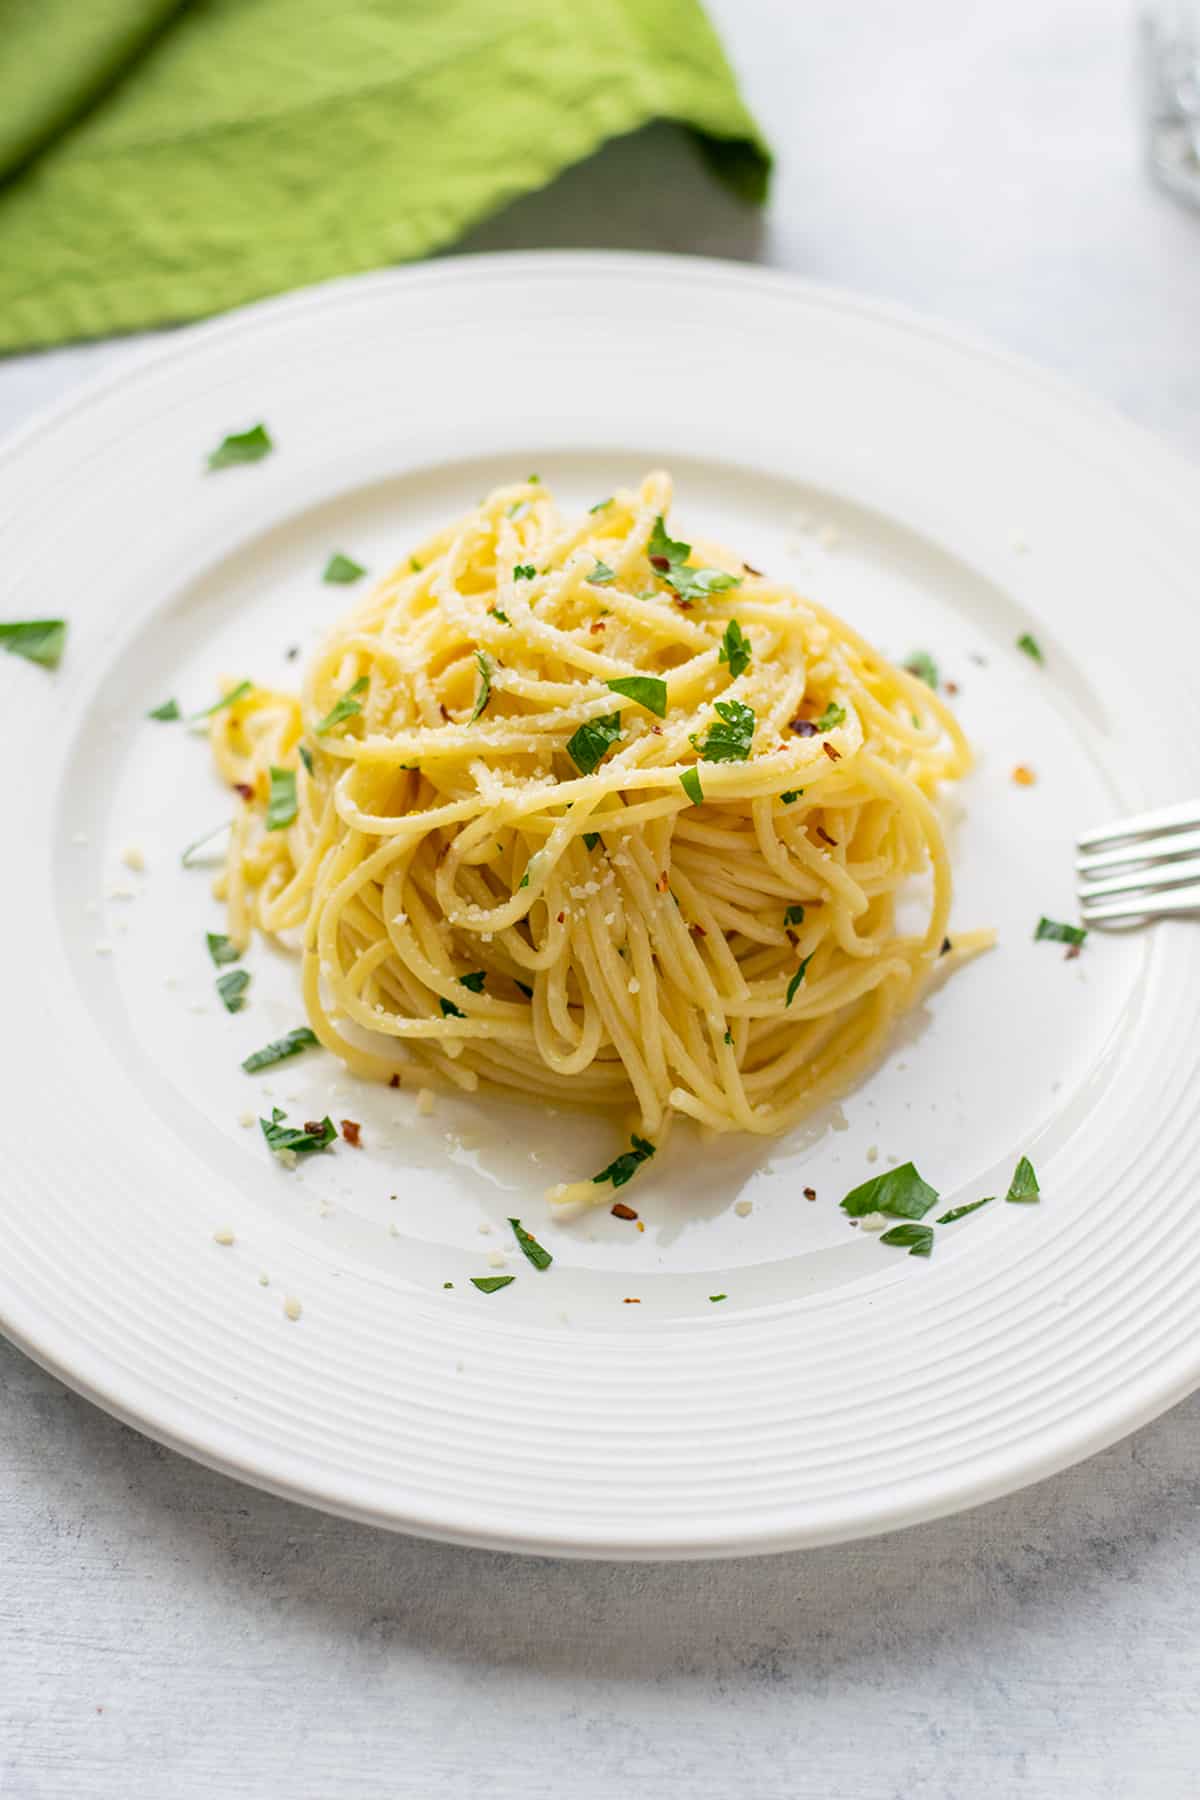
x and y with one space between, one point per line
165 1632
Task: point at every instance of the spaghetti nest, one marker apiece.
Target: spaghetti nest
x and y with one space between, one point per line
579 811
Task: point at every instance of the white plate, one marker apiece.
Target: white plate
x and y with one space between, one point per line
941 497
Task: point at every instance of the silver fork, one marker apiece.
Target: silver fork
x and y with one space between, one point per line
1147 867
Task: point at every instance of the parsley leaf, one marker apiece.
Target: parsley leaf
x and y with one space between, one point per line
1029 644
282 805
235 693
794 915
486 667
649 691
898 1192
668 558
791 796
922 665
290 1044
590 839
494 612
1058 933
415 566
833 715
593 740
731 738
624 1168
960 1212
689 781
186 855
524 572
306 757
344 708
695 584
525 989
241 447
37 640
1023 1189
491 1284
232 989
168 710
735 649
342 569
289 1137
539 1257
449 1010
600 505
222 949
474 981
664 549
601 575
715 1297
797 978
916 1239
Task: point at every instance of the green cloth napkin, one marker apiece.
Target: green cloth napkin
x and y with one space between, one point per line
160 160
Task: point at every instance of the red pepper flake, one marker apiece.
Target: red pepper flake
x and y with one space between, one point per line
596 625
562 918
631 1302
314 1125
394 1081
750 569
697 929
810 1193
352 1132
1072 952
663 882
245 790
951 687
661 563
443 712
825 837
831 753
681 603
656 731
621 1211
803 727
946 947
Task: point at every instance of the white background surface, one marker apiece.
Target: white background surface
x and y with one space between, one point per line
165 1631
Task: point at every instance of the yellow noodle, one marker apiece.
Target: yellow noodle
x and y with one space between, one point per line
430 844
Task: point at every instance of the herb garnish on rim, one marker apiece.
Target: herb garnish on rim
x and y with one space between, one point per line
37 640
916 1239
623 1168
235 694
922 665
1023 1189
290 1044
167 711
534 1252
342 569
1029 644
241 447
1059 933
232 988
315 1135
960 1212
491 1284
222 949
898 1192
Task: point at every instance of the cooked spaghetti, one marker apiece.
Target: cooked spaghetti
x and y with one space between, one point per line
582 812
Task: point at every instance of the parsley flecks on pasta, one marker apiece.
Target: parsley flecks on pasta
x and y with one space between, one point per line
545 850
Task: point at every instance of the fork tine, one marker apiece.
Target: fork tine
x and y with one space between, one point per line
1152 906
1170 844
1184 817
1153 880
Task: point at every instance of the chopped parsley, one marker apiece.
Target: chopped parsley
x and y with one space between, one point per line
898 1192
491 1284
222 949
593 740
186 856
523 572
474 981
449 1010
623 1168
1029 644
290 1044
281 801
342 569
833 715
601 575
960 1212
1023 1189
241 447
791 795
524 987
729 739
916 1239
590 839
668 558
415 566
689 781
344 708
486 667
728 1035
232 988
797 978
922 665
494 612
235 693
37 640
306 757
735 649
794 915
600 505
649 691
279 1136
534 1252
715 1297
1059 933
168 710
